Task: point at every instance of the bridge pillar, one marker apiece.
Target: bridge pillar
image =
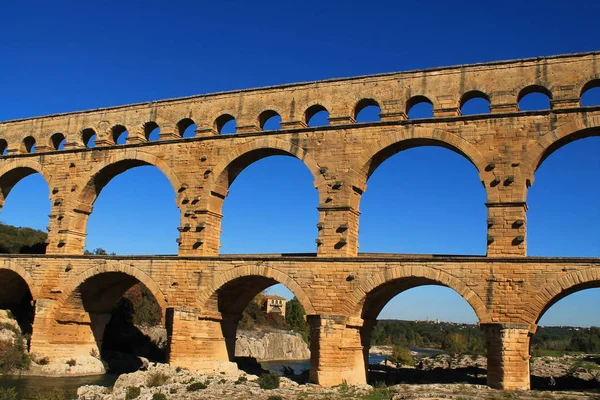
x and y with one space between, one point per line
196 340
66 332
507 232
337 231
507 355
336 351
200 233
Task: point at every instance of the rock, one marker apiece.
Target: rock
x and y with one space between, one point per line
74 366
271 345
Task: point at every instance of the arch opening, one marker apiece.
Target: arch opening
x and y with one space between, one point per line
475 102
3 147
119 311
266 187
29 145
253 306
534 98
119 134
424 211
419 107
58 141
151 131
226 124
418 334
563 213
88 136
568 326
124 229
367 110
269 120
590 94
186 128
316 115
24 217
16 301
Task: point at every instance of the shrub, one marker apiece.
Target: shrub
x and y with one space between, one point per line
72 362
8 394
275 398
223 381
156 379
196 386
159 396
241 379
268 381
132 393
13 355
172 391
54 394
44 361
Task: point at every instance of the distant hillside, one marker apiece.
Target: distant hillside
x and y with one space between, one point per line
17 240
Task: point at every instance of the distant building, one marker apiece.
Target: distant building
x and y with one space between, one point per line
274 304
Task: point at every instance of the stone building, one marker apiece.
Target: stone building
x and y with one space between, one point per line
274 304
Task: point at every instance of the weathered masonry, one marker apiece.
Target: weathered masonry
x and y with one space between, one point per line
342 291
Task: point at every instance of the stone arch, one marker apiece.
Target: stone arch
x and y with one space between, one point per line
15 170
546 145
584 85
405 138
118 163
71 286
558 289
259 271
247 153
23 274
364 102
421 275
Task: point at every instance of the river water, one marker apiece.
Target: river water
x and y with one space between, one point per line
29 386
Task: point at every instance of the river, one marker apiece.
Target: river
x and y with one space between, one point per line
29 386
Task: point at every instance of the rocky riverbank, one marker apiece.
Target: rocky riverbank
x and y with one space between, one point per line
176 383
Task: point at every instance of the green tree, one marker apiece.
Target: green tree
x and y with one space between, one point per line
401 356
295 318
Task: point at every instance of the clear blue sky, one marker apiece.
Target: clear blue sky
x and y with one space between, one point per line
64 56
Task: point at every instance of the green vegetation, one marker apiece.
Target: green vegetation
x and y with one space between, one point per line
13 354
274 398
132 392
268 381
401 356
54 394
559 340
156 379
240 380
193 387
17 240
159 396
255 317
8 394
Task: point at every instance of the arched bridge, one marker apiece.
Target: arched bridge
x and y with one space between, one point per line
341 290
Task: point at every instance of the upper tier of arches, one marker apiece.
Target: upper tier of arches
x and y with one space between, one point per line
391 96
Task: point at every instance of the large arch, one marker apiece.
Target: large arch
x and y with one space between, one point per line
371 295
561 136
17 294
242 156
406 138
15 170
556 290
114 165
256 270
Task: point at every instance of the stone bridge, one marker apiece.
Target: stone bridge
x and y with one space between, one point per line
203 294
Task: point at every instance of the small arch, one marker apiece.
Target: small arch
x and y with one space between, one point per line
367 110
534 98
119 134
151 131
225 124
186 128
419 107
316 115
88 136
269 120
590 93
3 147
474 102
58 141
29 144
